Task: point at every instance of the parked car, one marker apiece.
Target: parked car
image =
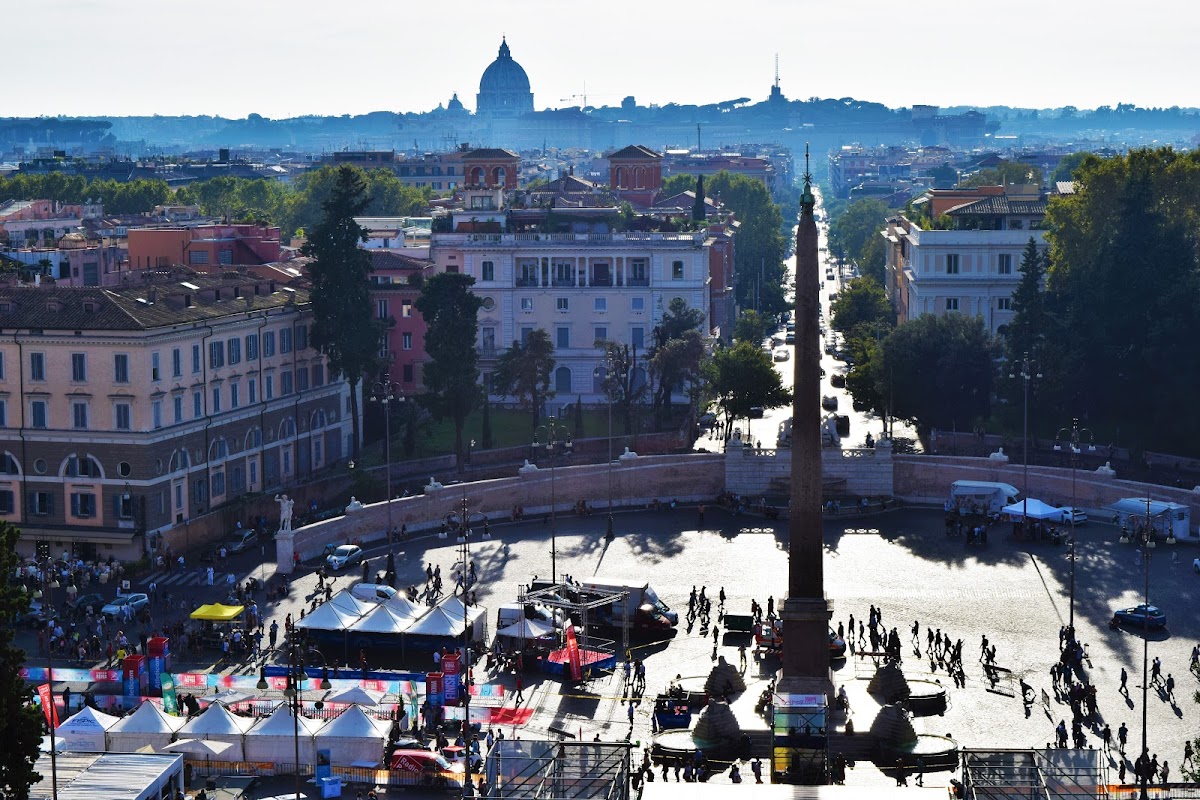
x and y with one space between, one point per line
35 617
1065 514
756 412
372 592
241 540
344 556
1141 616
838 381
136 602
84 600
789 337
829 403
782 354
1196 566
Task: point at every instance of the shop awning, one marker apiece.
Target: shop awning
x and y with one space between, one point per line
218 612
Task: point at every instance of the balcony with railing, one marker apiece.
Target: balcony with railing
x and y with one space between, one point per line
629 238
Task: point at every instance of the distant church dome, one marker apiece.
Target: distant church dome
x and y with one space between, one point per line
504 88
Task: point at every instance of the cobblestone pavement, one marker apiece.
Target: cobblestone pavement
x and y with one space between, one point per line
1015 593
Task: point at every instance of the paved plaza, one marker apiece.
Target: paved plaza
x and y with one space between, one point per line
1015 593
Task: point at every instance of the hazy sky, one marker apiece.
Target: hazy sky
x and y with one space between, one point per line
278 59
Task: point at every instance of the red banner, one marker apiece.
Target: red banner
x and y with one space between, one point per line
573 657
48 707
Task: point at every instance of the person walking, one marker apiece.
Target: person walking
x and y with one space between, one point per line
700 513
209 575
1124 684
1170 688
1122 737
630 713
520 690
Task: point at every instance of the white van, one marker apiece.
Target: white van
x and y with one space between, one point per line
372 592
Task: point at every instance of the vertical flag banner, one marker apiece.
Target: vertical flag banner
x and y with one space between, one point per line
573 657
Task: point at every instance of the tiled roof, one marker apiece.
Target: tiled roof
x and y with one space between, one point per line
389 259
999 205
635 151
139 307
491 153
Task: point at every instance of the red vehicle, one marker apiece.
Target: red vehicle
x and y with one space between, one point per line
425 768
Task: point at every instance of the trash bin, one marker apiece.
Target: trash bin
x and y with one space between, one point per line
331 787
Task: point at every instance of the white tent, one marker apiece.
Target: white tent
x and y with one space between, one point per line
85 732
455 609
438 622
1033 509
273 738
327 617
148 725
401 605
345 601
527 629
218 725
383 619
354 737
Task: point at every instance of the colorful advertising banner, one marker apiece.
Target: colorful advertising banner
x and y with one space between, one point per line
433 688
573 656
450 671
170 700
48 707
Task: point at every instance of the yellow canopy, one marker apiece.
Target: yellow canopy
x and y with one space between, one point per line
217 612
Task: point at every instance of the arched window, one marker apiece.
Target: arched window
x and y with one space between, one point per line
639 378
218 450
9 464
562 380
180 460
77 466
639 178
317 420
287 428
477 176
498 176
253 438
620 178
599 375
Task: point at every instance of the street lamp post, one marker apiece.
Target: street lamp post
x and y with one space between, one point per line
552 430
465 541
295 685
386 392
1147 546
1075 437
1027 370
49 582
607 385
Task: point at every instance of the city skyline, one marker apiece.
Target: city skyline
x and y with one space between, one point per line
289 63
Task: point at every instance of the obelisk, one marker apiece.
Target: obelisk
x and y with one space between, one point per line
806 611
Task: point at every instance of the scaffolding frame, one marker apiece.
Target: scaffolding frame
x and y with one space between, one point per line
525 769
556 597
1047 774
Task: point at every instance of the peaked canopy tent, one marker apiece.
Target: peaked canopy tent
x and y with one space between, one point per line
527 629
86 731
272 739
347 602
354 737
218 725
148 725
218 612
457 610
382 620
402 606
327 617
1032 509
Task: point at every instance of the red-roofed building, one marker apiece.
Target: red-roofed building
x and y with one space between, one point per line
233 245
396 284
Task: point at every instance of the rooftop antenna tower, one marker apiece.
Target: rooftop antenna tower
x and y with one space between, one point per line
777 70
